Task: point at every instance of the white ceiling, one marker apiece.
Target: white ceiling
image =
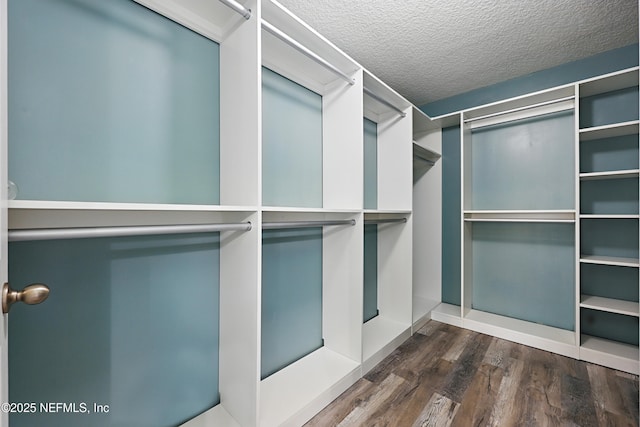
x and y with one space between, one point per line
432 49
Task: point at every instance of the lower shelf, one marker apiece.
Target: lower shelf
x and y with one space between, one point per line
628 308
380 336
447 313
294 394
544 337
609 260
613 354
216 416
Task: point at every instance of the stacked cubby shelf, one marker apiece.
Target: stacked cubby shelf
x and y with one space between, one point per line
267 172
608 295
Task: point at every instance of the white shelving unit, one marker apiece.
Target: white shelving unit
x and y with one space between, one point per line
274 38
427 226
602 130
574 343
392 115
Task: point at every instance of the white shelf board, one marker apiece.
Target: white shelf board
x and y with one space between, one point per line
624 357
447 313
113 206
373 108
621 174
628 308
520 212
422 123
557 216
609 216
532 334
609 82
519 220
216 416
371 212
609 260
609 131
212 19
291 63
31 214
287 209
380 336
294 394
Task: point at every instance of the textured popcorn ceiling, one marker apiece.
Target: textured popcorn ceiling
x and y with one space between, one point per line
432 49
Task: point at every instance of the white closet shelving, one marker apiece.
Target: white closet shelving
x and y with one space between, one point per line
602 211
608 139
392 115
267 38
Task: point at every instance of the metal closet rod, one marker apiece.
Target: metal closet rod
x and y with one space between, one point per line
92 232
305 224
237 7
384 101
307 52
384 221
515 110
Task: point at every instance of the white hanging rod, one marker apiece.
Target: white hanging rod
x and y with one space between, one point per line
309 53
515 110
384 221
237 7
305 224
384 101
92 232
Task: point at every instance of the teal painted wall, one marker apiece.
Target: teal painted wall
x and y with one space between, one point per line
117 329
111 102
606 62
451 233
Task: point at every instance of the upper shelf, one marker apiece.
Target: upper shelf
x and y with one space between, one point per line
609 131
609 83
380 101
290 62
210 18
537 103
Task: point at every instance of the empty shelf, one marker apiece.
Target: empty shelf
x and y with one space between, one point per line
628 308
609 131
610 353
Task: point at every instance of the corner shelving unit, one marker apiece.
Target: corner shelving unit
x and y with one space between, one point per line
609 216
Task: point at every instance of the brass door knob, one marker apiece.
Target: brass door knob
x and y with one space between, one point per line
32 294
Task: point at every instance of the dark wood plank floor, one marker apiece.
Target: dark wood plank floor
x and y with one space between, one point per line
445 376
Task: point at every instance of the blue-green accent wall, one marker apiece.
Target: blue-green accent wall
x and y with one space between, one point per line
370 290
117 329
110 102
291 296
603 63
451 233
